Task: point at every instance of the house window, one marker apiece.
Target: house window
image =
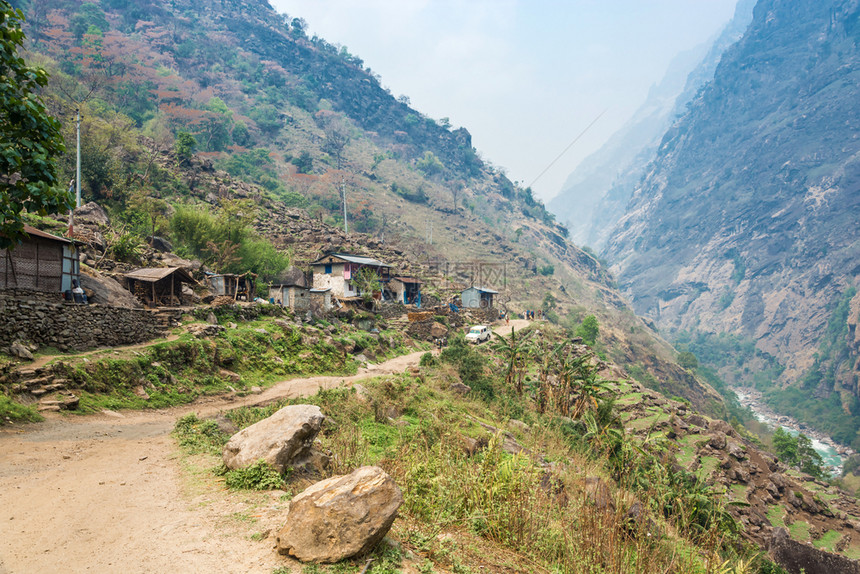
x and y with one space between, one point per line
328 269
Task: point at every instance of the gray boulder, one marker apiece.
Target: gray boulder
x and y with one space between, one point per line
92 214
106 290
340 517
283 440
18 349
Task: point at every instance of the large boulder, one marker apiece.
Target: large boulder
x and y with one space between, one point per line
105 290
340 517
283 440
797 557
91 214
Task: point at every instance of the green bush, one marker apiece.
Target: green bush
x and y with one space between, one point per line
258 476
199 435
589 330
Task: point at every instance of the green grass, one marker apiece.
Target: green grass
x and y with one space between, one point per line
11 411
799 530
828 541
853 552
629 399
708 465
656 415
686 456
738 492
776 516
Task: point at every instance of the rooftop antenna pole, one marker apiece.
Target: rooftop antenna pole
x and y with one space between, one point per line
78 158
343 193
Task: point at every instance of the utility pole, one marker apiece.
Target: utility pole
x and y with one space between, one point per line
343 194
78 159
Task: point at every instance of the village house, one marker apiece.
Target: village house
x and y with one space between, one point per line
477 297
42 262
406 290
293 295
336 271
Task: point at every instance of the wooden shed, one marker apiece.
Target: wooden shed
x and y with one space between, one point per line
42 262
160 286
239 287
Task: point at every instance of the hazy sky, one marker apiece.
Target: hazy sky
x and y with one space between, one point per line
525 77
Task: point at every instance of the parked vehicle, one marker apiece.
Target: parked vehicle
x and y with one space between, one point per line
478 334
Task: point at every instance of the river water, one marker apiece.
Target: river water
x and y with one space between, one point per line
823 444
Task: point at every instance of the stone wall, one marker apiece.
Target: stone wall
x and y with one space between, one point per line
65 326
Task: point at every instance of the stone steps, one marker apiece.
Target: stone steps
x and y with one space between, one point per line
43 385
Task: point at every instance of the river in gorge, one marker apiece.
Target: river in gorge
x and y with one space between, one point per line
832 453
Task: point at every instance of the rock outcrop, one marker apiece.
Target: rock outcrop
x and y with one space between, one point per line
340 517
283 440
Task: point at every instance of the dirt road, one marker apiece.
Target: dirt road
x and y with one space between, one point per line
106 493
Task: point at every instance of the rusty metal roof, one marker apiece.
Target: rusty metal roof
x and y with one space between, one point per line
412 280
157 274
30 230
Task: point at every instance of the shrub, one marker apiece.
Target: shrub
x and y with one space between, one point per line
427 360
258 476
199 435
588 330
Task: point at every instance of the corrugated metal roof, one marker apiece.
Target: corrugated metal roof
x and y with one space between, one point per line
156 274
30 230
408 280
483 290
357 259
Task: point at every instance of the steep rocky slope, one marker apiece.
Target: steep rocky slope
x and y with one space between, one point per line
595 195
747 221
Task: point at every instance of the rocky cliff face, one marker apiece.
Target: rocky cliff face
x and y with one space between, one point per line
747 220
595 195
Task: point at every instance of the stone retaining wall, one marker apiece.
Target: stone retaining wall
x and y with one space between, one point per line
73 327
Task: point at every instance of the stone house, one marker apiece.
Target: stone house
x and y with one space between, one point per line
296 297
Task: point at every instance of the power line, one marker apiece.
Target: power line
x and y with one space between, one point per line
570 145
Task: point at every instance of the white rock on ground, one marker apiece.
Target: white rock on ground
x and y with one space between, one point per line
284 439
340 517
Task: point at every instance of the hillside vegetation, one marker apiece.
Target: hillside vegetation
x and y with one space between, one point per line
220 125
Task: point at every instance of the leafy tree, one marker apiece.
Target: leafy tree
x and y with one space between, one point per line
588 330
688 360
89 16
366 282
185 146
785 446
429 164
798 452
29 137
304 163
